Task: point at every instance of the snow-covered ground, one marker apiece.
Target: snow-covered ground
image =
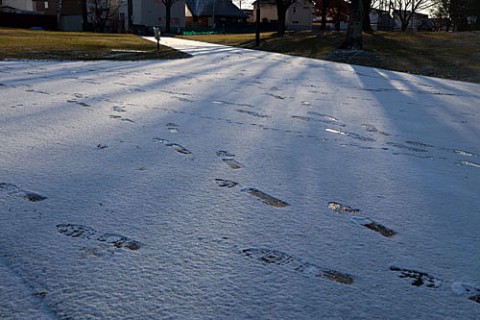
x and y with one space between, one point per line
236 185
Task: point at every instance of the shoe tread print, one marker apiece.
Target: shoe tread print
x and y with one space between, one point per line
419 278
84 232
469 291
362 221
265 198
76 230
13 190
307 269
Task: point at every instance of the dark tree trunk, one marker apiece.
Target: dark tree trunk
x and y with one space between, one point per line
281 14
168 15
367 27
354 38
85 16
325 4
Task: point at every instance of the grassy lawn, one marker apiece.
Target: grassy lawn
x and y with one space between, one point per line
445 55
49 45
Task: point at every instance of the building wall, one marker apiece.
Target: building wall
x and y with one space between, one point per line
152 13
19 4
45 6
299 15
268 13
71 18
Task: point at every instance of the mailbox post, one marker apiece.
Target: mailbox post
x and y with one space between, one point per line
156 32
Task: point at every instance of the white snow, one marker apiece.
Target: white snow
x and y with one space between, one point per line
136 226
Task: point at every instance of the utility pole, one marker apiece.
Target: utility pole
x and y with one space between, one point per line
257 25
213 15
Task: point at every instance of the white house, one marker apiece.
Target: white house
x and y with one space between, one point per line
26 5
418 21
152 13
299 15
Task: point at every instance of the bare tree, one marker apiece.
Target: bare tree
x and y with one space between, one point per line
405 10
456 13
282 7
168 13
102 13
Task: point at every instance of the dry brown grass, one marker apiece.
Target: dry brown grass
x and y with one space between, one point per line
440 54
49 45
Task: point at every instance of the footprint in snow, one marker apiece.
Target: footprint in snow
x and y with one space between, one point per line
325 118
265 198
307 269
373 129
88 233
113 116
416 148
174 146
469 164
339 208
225 183
228 158
362 221
119 109
260 195
418 278
352 135
172 127
119 241
252 113
467 290
12 190
76 230
80 103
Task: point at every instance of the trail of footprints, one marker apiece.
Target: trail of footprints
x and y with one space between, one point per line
411 148
269 256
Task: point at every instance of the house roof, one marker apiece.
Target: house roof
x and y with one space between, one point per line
271 2
223 8
8 9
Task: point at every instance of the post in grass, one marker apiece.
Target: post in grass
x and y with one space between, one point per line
156 32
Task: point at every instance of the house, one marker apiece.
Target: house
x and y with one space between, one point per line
299 15
381 20
144 14
211 13
71 16
418 21
25 5
28 14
